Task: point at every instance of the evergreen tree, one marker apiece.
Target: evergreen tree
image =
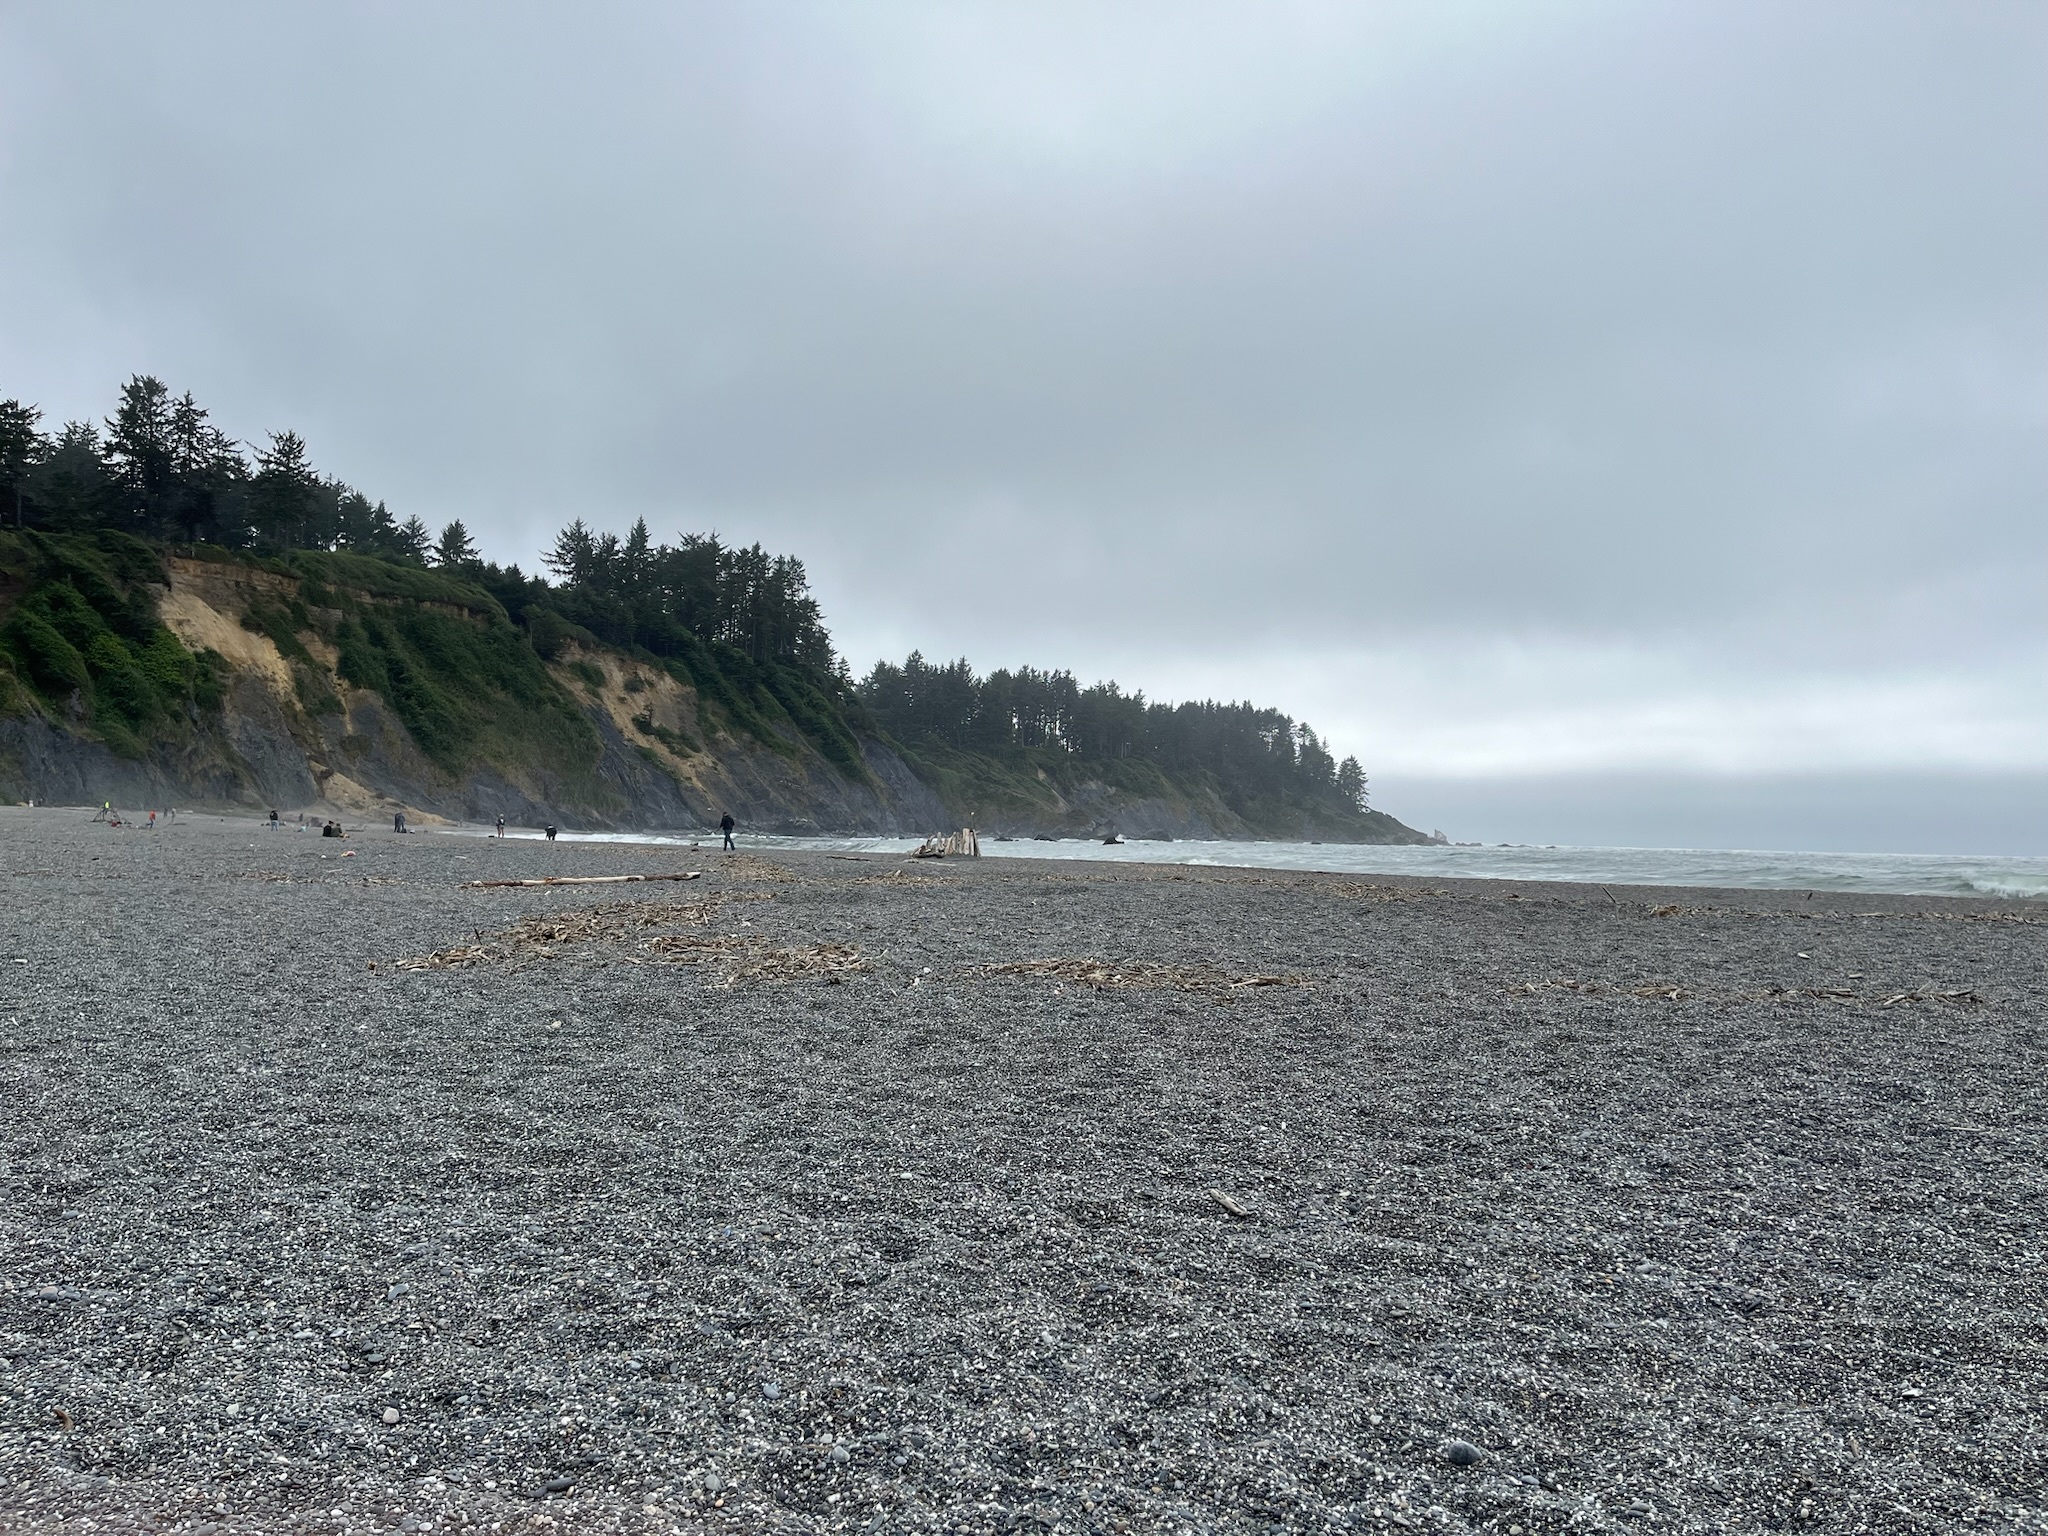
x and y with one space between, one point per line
455 552
570 559
139 454
415 543
207 476
1351 783
70 485
21 446
636 562
283 492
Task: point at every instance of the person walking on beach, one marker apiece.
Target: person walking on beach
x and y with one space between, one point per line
501 823
725 825
551 831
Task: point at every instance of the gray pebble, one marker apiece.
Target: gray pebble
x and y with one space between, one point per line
841 1455
1463 1453
558 1485
255 1257
771 1390
390 1415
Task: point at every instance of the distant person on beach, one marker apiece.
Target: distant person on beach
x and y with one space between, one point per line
551 831
398 822
501 824
725 825
274 821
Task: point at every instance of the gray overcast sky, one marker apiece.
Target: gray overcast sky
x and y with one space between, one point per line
1540 399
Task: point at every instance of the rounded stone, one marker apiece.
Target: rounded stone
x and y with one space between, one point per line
1463 1453
390 1415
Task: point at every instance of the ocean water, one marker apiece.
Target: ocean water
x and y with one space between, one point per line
1903 874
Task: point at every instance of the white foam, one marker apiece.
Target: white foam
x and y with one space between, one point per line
1903 874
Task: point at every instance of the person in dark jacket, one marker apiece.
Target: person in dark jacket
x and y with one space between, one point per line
725 825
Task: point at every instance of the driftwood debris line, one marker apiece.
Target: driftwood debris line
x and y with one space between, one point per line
477 885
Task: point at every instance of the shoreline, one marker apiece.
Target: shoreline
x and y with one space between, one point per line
1971 877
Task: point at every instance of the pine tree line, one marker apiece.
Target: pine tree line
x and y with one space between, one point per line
1247 749
633 591
158 468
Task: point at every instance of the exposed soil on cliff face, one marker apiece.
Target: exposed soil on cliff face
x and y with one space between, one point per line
294 734
1001 1196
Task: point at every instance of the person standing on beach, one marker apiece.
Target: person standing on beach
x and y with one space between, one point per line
725 825
501 823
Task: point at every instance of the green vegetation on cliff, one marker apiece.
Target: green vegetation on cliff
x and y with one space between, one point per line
445 657
461 649
80 640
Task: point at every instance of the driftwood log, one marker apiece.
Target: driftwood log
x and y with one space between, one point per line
474 885
962 844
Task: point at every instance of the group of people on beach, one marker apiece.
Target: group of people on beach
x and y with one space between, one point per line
112 817
725 825
276 823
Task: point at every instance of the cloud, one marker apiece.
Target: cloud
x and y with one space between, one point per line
1497 385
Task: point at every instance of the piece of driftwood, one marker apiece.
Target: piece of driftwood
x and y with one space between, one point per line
1228 1204
962 844
473 885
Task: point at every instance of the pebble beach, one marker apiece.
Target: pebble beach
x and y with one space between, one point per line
343 1191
